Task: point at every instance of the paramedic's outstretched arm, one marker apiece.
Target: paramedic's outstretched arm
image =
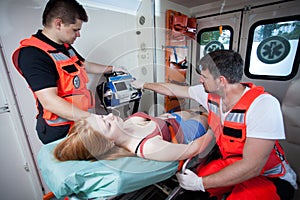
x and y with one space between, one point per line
168 89
96 68
52 102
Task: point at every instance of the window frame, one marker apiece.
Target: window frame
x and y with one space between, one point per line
215 28
250 42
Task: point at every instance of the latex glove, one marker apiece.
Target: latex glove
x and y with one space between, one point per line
138 84
119 69
190 181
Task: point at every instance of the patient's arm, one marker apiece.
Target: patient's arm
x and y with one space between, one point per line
189 114
160 150
184 114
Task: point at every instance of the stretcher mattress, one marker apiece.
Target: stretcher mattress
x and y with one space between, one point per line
105 178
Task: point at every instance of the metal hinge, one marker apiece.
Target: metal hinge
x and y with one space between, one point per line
4 108
26 167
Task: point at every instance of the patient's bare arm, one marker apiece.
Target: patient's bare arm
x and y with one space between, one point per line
197 115
160 150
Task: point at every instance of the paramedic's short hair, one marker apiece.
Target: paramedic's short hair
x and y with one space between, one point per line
227 63
67 10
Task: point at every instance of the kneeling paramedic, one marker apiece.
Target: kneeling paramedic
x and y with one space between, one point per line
246 123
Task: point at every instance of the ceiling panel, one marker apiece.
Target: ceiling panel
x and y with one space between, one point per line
126 6
193 3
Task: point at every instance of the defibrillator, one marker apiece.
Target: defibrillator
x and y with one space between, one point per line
116 91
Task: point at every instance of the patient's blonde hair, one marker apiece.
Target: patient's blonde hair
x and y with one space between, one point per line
85 143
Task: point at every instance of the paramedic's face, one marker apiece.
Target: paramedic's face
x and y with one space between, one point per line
109 124
69 32
210 84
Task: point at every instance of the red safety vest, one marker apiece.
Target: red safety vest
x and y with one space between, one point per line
231 136
72 81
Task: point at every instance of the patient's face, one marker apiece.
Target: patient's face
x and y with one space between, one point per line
108 125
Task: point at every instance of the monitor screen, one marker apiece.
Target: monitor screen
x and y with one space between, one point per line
120 86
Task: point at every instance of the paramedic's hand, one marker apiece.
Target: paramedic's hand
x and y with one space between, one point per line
190 181
138 84
119 69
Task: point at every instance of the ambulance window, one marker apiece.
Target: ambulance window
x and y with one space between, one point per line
211 39
273 49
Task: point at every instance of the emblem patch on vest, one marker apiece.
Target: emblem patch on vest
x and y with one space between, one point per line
76 82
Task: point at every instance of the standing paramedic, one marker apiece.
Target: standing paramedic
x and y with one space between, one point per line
54 70
246 123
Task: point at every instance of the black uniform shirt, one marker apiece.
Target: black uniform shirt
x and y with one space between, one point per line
38 68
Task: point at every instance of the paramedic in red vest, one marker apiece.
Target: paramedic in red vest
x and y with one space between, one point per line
54 70
246 123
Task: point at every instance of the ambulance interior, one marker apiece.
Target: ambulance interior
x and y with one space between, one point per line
142 36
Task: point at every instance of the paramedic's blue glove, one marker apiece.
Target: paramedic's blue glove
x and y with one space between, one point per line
138 84
119 69
190 181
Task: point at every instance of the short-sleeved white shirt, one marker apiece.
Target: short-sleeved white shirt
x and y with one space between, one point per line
263 119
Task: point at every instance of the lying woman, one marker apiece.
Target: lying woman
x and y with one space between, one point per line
169 137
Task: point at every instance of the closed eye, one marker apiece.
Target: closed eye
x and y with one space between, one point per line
108 123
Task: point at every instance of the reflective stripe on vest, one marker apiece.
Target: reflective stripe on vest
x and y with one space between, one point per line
213 107
236 116
60 56
59 120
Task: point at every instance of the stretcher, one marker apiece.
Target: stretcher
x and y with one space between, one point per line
104 178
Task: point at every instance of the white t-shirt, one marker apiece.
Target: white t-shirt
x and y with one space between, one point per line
263 119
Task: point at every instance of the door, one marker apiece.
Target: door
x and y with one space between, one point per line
18 174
